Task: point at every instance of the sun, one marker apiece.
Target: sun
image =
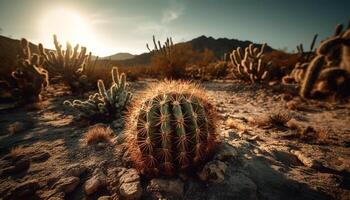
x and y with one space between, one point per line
68 25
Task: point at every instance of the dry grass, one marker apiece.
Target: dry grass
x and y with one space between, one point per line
235 124
16 151
98 134
277 119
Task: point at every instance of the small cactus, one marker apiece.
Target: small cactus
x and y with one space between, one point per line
172 128
107 104
30 77
250 66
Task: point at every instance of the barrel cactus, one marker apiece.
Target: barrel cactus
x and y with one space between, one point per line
171 129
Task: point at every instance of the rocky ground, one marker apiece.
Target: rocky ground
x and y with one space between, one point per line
273 146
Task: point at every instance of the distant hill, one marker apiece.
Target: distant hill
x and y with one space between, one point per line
9 48
120 56
219 46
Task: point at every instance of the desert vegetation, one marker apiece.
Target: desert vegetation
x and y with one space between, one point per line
177 122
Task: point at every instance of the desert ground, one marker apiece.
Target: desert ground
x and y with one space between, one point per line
272 146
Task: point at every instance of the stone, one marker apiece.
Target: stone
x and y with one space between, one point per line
24 190
307 161
130 186
225 151
41 157
213 172
105 198
76 169
131 190
97 181
67 184
169 186
130 175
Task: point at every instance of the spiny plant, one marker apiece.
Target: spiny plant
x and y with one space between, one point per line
250 66
108 104
70 63
30 77
331 67
298 72
172 128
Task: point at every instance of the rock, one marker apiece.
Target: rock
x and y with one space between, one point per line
67 184
168 186
130 186
98 180
18 166
105 198
307 161
213 171
41 157
131 190
130 175
225 151
24 190
76 169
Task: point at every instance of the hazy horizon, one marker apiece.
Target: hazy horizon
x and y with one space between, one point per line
109 27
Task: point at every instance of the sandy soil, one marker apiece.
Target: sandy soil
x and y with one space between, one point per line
270 161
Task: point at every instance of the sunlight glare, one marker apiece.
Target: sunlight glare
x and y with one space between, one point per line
70 26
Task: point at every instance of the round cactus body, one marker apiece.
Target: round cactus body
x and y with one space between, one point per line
171 129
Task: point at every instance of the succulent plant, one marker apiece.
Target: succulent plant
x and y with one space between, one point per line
30 77
107 104
330 69
172 128
70 63
250 66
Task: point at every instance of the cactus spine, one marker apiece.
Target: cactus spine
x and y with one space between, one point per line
106 104
171 129
30 77
250 66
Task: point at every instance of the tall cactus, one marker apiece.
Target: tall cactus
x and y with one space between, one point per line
106 104
250 66
69 63
30 77
330 68
172 128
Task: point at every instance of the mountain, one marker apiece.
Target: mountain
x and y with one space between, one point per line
120 56
9 48
219 46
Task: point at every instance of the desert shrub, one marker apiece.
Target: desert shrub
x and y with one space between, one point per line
171 128
172 60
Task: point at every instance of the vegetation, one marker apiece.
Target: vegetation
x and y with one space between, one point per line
250 66
97 134
330 69
71 63
172 128
29 78
107 104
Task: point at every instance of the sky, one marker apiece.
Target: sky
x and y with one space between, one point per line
107 27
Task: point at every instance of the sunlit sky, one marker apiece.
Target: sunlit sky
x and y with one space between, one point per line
107 27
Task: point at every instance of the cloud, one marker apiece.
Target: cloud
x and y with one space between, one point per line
173 12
